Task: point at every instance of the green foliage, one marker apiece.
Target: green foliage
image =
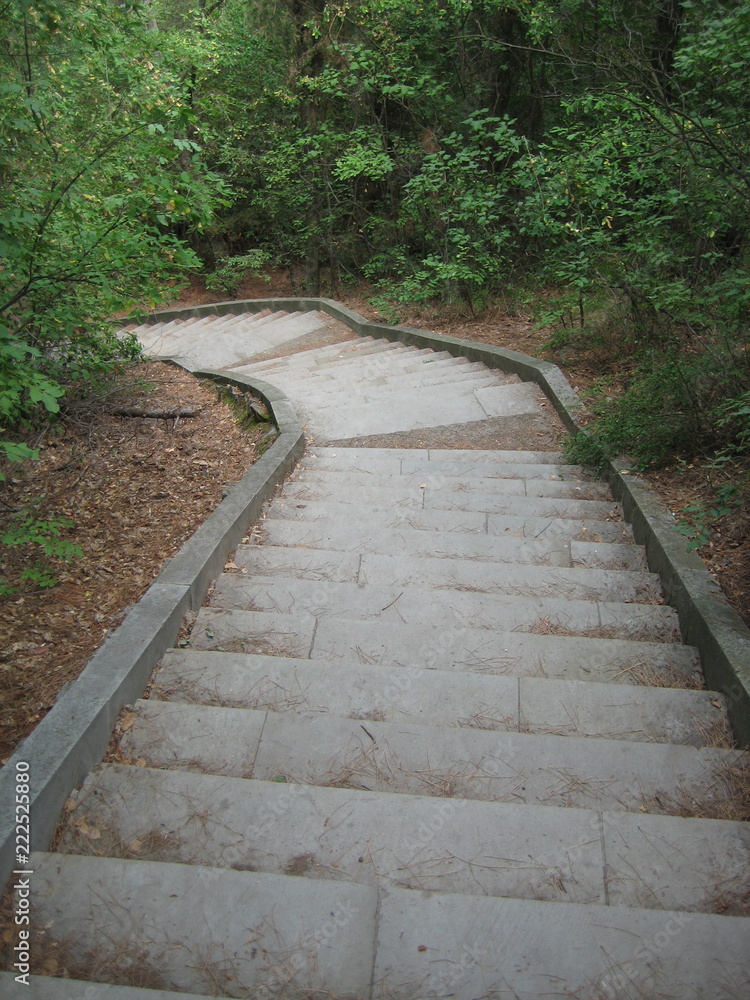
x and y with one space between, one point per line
28 530
98 174
229 275
597 150
584 448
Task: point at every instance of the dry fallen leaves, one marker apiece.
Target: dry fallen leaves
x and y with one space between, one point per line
136 489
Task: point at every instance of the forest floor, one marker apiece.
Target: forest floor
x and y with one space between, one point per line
136 488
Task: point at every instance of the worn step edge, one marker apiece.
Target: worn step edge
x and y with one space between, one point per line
434 761
459 608
440 697
526 575
547 550
419 464
378 838
52 988
459 648
344 452
414 497
517 485
445 520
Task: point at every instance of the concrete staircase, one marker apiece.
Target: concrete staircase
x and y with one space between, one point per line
434 734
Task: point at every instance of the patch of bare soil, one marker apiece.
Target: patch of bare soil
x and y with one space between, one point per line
135 488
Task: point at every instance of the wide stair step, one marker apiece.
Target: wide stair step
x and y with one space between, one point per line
553 650
501 766
411 841
354 690
228 932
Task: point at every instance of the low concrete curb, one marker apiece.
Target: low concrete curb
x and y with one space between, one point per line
707 620
73 737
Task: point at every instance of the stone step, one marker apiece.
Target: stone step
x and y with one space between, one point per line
390 357
415 606
276 935
440 697
319 357
239 330
375 517
52 988
377 358
267 316
410 484
355 367
374 456
378 839
379 407
312 749
468 575
383 385
209 930
347 537
171 335
235 338
315 357
387 411
149 333
418 464
293 326
419 496
443 646
466 947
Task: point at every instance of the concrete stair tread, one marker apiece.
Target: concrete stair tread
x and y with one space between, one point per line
407 841
398 356
313 357
438 945
374 516
423 496
356 690
519 399
420 465
52 988
373 456
230 339
319 356
354 366
316 934
378 358
239 930
385 386
338 535
526 579
312 749
551 486
446 608
458 647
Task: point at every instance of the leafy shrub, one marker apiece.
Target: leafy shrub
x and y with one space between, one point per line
27 529
232 271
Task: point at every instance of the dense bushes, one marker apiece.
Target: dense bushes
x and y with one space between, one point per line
447 150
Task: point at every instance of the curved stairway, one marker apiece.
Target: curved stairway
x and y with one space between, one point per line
433 735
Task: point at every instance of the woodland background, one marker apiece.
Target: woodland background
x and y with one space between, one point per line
584 160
